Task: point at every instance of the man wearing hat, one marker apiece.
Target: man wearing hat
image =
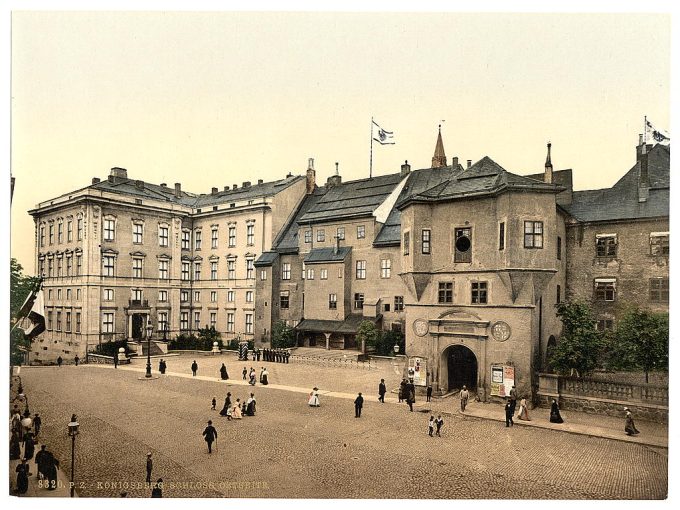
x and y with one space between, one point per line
149 467
210 435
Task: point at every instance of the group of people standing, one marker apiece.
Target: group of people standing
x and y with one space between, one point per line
407 392
273 355
251 376
237 409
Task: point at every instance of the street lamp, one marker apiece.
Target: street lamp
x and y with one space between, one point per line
149 330
396 349
73 432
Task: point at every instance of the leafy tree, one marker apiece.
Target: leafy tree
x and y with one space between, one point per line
386 342
367 335
283 336
19 289
202 341
640 342
581 345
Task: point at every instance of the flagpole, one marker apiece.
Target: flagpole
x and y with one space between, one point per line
644 133
370 164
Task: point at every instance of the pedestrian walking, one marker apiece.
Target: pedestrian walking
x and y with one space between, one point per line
508 414
245 373
14 447
513 398
210 435
50 465
254 355
555 416
261 372
258 354
40 462
149 467
236 410
439 422
430 426
162 366
265 377
429 392
226 410
115 360
630 424
76 359
464 396
382 389
37 423
251 405
157 490
29 446
59 361
523 410
194 368
251 377
313 400
358 404
224 375
214 404
22 477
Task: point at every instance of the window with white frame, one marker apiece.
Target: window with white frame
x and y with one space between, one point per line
137 295
230 322
284 299
68 294
59 265
79 229
213 319
659 243
310 273
230 296
658 290
60 232
323 274
77 294
69 231
186 270
137 233
108 295
249 296
213 270
78 321
250 268
332 301
50 267
107 322
250 234
340 233
213 237
197 296
51 233
232 236
249 323
42 235
308 236
197 239
533 234
197 320
163 296
361 269
478 292
606 245
108 265
197 271
137 267
69 265
213 296
109 229
163 322
285 271
358 300
79 265
163 269
184 296
398 303
231 269
320 235
605 289
163 235
385 268
263 274
184 321
186 239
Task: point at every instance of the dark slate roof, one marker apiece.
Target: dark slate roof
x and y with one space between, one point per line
154 191
327 255
352 199
266 259
620 202
287 240
390 234
349 325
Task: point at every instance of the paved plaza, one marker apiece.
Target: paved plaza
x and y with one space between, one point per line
293 451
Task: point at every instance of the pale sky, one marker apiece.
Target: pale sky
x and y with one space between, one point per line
214 99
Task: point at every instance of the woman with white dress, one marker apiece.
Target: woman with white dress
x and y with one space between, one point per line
314 398
236 411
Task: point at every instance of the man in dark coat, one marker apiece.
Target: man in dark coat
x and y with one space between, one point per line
223 372
402 390
162 366
630 428
115 360
50 465
22 477
37 423
358 404
257 354
508 414
40 462
513 398
382 389
29 446
245 373
287 356
555 416
157 491
429 392
59 361
76 359
194 368
210 435
149 467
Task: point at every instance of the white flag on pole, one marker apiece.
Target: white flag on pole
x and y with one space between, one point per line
382 136
654 135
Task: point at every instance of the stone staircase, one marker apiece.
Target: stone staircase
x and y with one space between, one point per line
155 350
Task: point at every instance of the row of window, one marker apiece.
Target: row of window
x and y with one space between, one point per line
606 245
310 273
478 292
339 234
109 268
57 293
46 230
54 321
108 294
61 266
284 301
108 321
605 289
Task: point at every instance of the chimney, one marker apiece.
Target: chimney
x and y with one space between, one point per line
405 168
178 189
112 179
226 188
96 180
259 181
163 185
454 162
548 174
234 186
139 185
469 163
288 175
246 184
643 177
214 191
311 177
118 173
336 246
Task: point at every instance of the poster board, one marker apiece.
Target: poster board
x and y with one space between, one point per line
417 370
502 379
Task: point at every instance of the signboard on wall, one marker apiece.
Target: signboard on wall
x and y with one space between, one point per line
417 370
502 379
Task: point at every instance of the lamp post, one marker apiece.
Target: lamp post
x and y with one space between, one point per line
73 432
396 349
149 330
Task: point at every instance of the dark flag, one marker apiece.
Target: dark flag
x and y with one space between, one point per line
31 316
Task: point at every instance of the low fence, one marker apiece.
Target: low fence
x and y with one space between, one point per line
100 359
334 362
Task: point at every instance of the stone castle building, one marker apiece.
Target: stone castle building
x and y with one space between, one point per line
467 261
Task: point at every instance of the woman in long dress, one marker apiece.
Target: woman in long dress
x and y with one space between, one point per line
250 405
314 398
265 377
555 416
630 424
223 372
236 410
227 406
523 410
22 477
29 446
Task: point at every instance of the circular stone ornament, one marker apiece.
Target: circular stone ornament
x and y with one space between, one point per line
420 327
501 331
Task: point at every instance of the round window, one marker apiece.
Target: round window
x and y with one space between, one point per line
463 243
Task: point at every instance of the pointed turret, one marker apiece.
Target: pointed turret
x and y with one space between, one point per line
439 158
548 175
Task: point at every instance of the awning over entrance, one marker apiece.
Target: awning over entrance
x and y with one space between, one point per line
349 326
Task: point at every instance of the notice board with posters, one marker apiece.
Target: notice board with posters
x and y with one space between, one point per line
417 370
502 379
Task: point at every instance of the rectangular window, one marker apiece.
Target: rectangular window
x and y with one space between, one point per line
310 274
213 296
605 325
79 265
445 294
59 266
558 297
79 227
358 300
340 233
463 245
284 299
109 265
68 294
605 289
163 296
51 234
163 235
186 239
398 303
231 269
386 307
320 235
308 236
658 290
407 243
285 271
501 235
606 246
184 321
230 322
323 274
249 323
109 229
249 296
163 269
107 322
42 236
77 294
232 236
332 301
163 322
184 296
426 238
197 296
533 234
250 234
68 322
69 231
213 238
385 268
137 295
69 265
213 270
230 296
60 232
137 232
263 274
659 244
186 271
361 232
250 269
59 294
77 322
197 239
559 248
213 319
49 321
197 320
479 292
197 271
136 268
361 269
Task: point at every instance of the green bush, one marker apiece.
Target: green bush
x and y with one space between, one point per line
201 342
110 348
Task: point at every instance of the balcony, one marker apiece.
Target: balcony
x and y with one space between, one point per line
138 303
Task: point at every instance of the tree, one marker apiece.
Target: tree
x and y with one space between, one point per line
367 335
19 289
640 342
579 350
283 336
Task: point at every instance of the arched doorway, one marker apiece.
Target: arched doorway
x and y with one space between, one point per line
462 367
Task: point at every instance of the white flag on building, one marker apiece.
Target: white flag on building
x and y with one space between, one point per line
654 135
382 136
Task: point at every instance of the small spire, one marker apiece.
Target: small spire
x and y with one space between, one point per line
439 158
337 172
547 159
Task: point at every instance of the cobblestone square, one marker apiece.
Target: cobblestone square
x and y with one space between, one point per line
290 450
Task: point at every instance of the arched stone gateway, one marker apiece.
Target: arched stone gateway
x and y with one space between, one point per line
461 365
